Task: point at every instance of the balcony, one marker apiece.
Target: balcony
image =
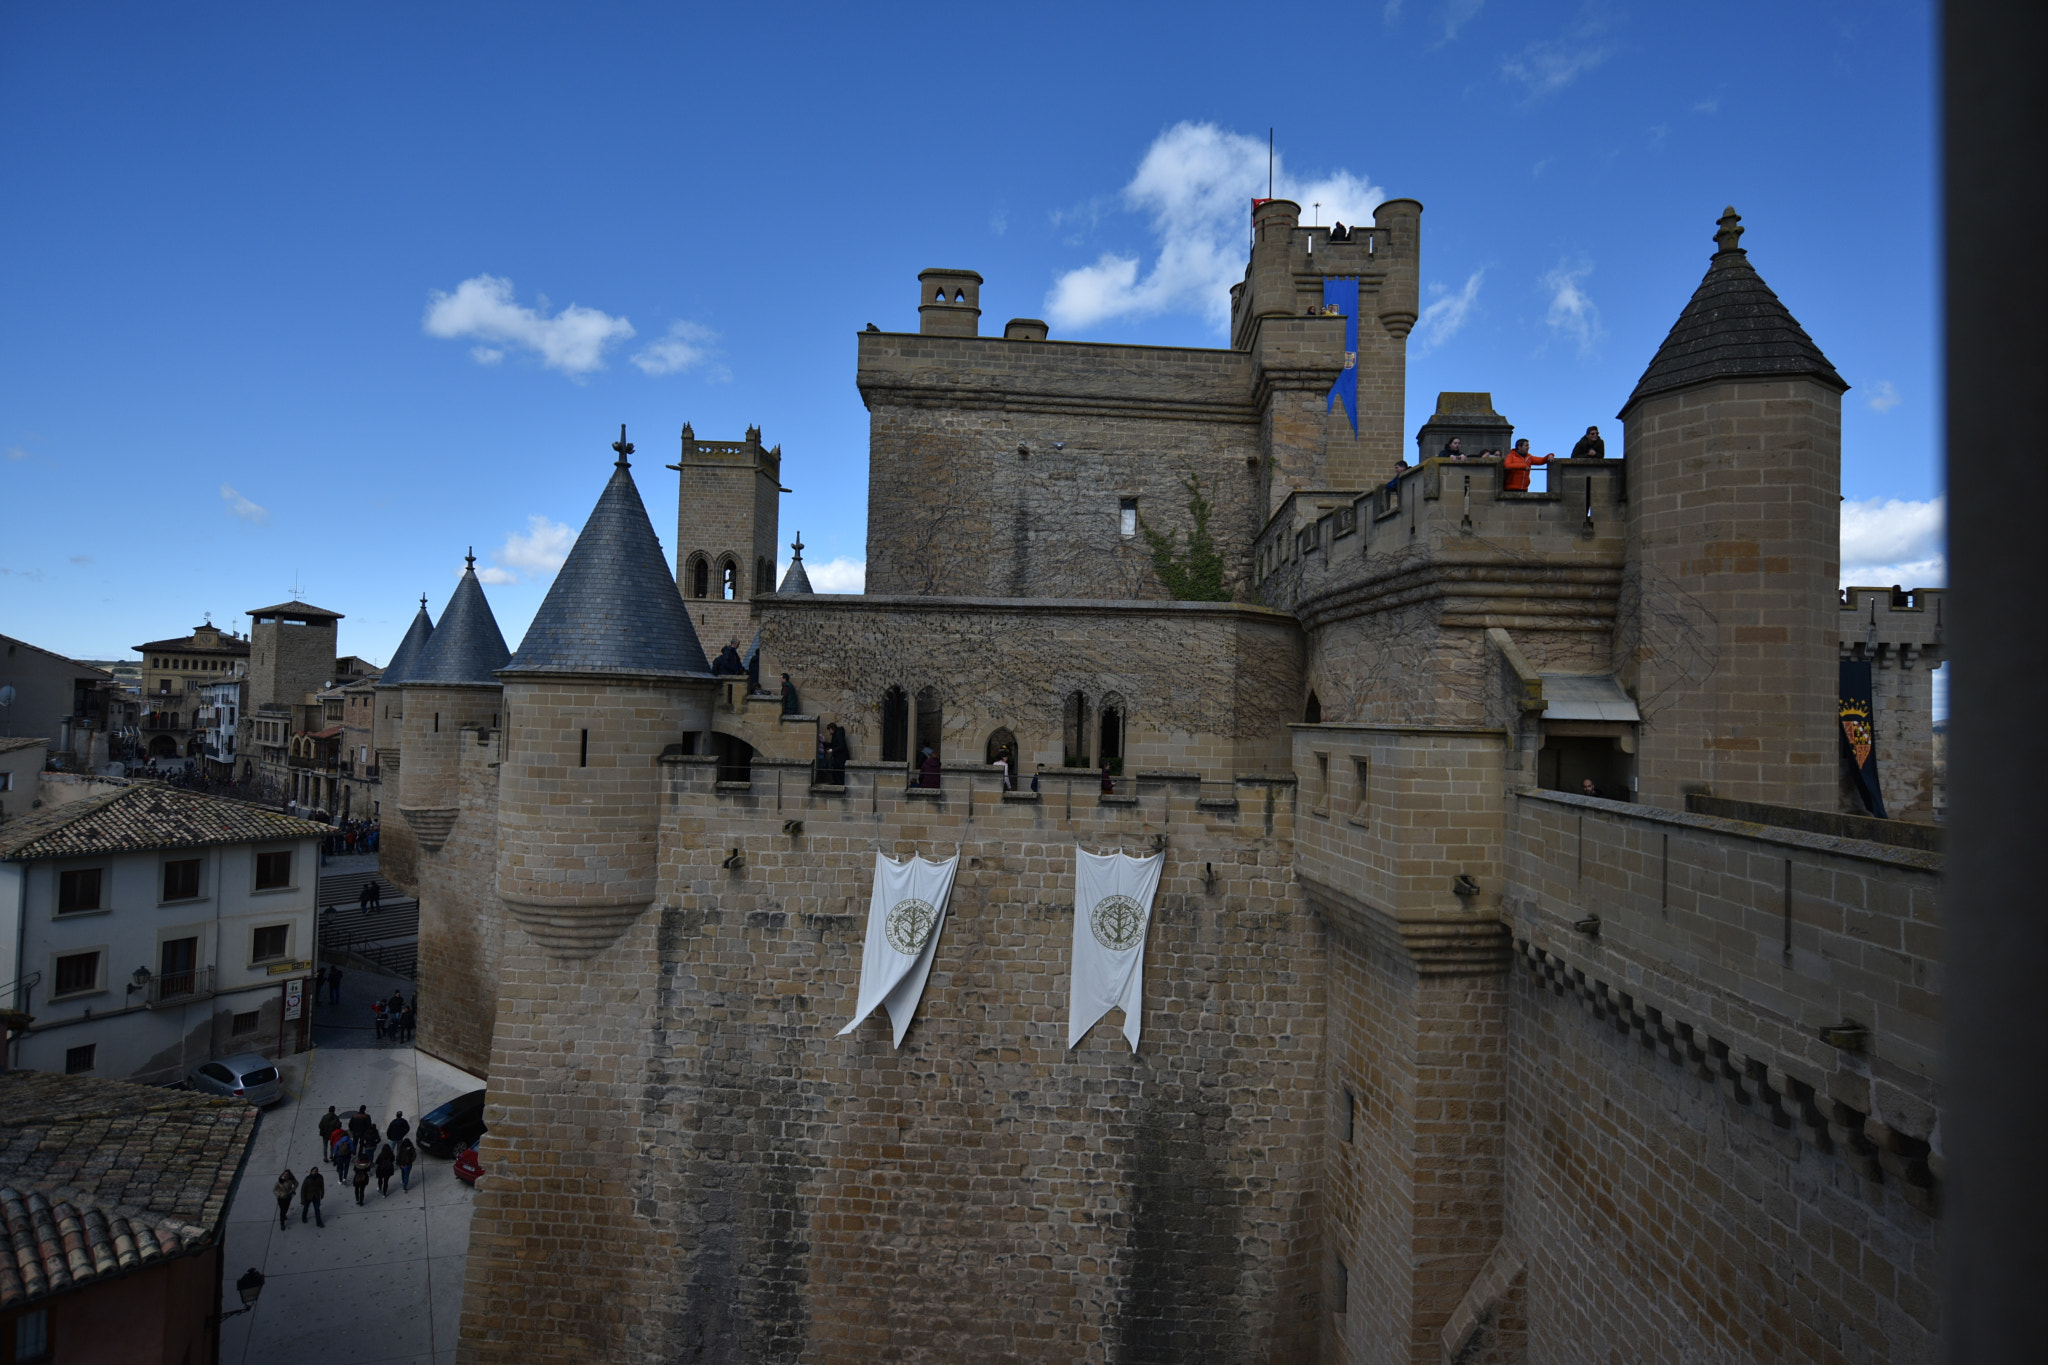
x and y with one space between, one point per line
178 988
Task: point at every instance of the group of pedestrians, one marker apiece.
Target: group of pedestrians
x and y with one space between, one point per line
394 1018
359 1154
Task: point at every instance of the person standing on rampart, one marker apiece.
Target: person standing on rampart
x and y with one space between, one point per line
837 752
1516 465
1454 449
1590 446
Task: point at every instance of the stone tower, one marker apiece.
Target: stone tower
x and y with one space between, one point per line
449 687
1728 622
291 652
397 854
726 531
949 303
452 705
609 676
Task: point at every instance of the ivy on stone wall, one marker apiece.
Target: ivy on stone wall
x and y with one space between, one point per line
1196 576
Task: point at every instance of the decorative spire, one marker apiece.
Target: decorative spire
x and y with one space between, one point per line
624 447
1731 232
469 560
795 579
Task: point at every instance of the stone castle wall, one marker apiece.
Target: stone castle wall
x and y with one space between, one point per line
770 1191
461 917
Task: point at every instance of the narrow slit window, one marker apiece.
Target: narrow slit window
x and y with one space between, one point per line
583 753
1346 1119
1127 517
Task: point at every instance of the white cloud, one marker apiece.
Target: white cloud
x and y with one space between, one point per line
1196 182
17 453
572 341
684 346
1892 540
1454 15
1548 67
1445 314
832 575
1572 311
536 554
1712 106
999 220
1884 397
240 506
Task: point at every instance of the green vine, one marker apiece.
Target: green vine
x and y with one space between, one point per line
1196 576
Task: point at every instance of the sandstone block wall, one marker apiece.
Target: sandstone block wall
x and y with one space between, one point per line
1729 627
461 917
770 1191
1698 1176
1204 687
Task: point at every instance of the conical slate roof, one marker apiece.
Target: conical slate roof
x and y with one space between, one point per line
614 607
795 579
406 656
468 647
1734 328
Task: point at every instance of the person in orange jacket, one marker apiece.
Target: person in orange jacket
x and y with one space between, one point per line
1517 464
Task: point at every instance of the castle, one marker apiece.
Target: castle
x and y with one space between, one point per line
1443 1060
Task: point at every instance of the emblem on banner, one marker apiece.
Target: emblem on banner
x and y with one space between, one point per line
1118 922
909 925
1856 729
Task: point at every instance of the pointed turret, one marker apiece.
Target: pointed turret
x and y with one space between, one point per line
406 656
1734 328
468 648
614 607
795 579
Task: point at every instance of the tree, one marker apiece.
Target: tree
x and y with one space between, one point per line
1196 576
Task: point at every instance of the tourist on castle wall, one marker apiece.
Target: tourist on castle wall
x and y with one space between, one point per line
790 706
839 751
728 660
1453 450
1590 446
928 770
1516 466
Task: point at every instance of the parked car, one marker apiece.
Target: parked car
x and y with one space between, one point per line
453 1126
245 1076
469 1167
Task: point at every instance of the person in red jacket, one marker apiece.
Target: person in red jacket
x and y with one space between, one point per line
1517 463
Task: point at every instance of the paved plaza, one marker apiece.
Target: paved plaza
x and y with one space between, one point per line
381 1283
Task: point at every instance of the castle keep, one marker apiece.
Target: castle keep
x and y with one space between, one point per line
1443 1060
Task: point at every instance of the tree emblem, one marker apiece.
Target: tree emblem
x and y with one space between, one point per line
1118 922
908 925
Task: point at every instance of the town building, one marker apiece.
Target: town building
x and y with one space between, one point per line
71 705
1445 1056
113 1219
218 720
150 928
175 675
21 771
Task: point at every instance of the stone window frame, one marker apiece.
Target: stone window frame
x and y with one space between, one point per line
257 853
729 576
1320 807
1361 791
101 904
257 957
181 856
697 576
102 953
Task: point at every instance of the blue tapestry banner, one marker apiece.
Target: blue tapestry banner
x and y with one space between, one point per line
1341 295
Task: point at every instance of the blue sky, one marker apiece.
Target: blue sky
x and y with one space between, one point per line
336 292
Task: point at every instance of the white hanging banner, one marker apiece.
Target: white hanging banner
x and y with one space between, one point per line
1112 911
905 914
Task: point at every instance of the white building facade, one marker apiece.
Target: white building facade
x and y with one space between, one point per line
149 929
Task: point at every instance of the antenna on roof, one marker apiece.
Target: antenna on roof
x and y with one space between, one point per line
1269 163
296 589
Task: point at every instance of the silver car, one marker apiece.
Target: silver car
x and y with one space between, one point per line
246 1076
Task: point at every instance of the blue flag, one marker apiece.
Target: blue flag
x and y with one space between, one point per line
1342 294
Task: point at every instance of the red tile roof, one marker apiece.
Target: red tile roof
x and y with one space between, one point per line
145 815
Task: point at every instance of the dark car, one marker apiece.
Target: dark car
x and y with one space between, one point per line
453 1126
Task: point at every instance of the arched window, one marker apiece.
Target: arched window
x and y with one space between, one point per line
1076 738
895 726
1111 733
931 724
1313 712
1002 747
729 580
700 577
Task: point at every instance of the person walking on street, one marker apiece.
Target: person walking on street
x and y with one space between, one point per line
329 1121
363 1128
376 895
406 1155
311 1190
398 1128
343 1151
412 1018
334 987
363 899
387 1162
361 1179
377 1018
287 1185
394 1005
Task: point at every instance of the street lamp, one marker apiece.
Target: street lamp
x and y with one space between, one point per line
139 980
250 1287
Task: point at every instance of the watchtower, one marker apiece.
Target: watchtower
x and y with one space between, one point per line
949 303
1729 618
291 652
727 505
